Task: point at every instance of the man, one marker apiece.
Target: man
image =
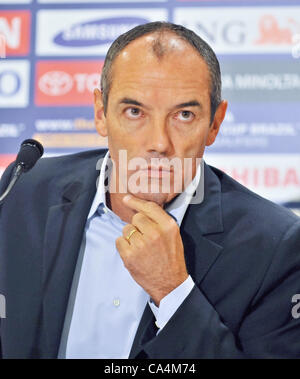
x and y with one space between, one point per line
148 274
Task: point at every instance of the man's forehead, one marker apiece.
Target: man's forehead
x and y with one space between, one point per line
157 44
159 61
155 52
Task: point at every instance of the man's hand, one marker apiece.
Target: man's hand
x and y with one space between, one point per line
154 253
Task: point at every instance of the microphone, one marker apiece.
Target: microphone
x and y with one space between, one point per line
30 151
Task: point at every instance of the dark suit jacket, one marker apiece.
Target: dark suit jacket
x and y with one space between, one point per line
242 251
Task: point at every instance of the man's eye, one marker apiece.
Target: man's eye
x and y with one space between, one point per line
185 116
133 112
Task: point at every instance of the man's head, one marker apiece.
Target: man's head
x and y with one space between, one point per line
160 99
160 28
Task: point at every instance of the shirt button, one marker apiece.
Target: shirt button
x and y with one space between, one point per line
116 302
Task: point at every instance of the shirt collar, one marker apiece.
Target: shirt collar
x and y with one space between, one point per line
176 208
100 197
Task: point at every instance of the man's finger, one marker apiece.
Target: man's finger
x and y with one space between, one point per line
122 246
148 208
143 223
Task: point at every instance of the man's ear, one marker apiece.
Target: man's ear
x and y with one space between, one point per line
100 119
216 123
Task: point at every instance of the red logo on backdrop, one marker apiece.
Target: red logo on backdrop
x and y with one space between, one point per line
271 33
5 160
15 32
67 82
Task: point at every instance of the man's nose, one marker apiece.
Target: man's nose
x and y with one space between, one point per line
158 137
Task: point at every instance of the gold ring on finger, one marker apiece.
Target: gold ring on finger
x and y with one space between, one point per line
130 234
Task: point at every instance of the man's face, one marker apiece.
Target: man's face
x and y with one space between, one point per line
158 108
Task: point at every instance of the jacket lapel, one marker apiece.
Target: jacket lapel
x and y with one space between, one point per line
200 221
63 236
200 224
146 331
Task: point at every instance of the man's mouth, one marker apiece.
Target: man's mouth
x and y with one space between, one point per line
156 171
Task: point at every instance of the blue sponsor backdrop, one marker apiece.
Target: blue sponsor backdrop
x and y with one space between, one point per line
52 53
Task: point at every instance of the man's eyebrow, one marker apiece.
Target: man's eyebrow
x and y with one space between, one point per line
192 103
127 100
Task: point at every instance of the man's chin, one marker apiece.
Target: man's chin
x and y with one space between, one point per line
158 198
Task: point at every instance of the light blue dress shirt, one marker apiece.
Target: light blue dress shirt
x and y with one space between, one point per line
106 304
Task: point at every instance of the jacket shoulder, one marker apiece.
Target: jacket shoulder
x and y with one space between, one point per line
51 176
56 166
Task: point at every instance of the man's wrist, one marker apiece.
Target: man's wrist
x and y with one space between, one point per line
171 302
159 296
